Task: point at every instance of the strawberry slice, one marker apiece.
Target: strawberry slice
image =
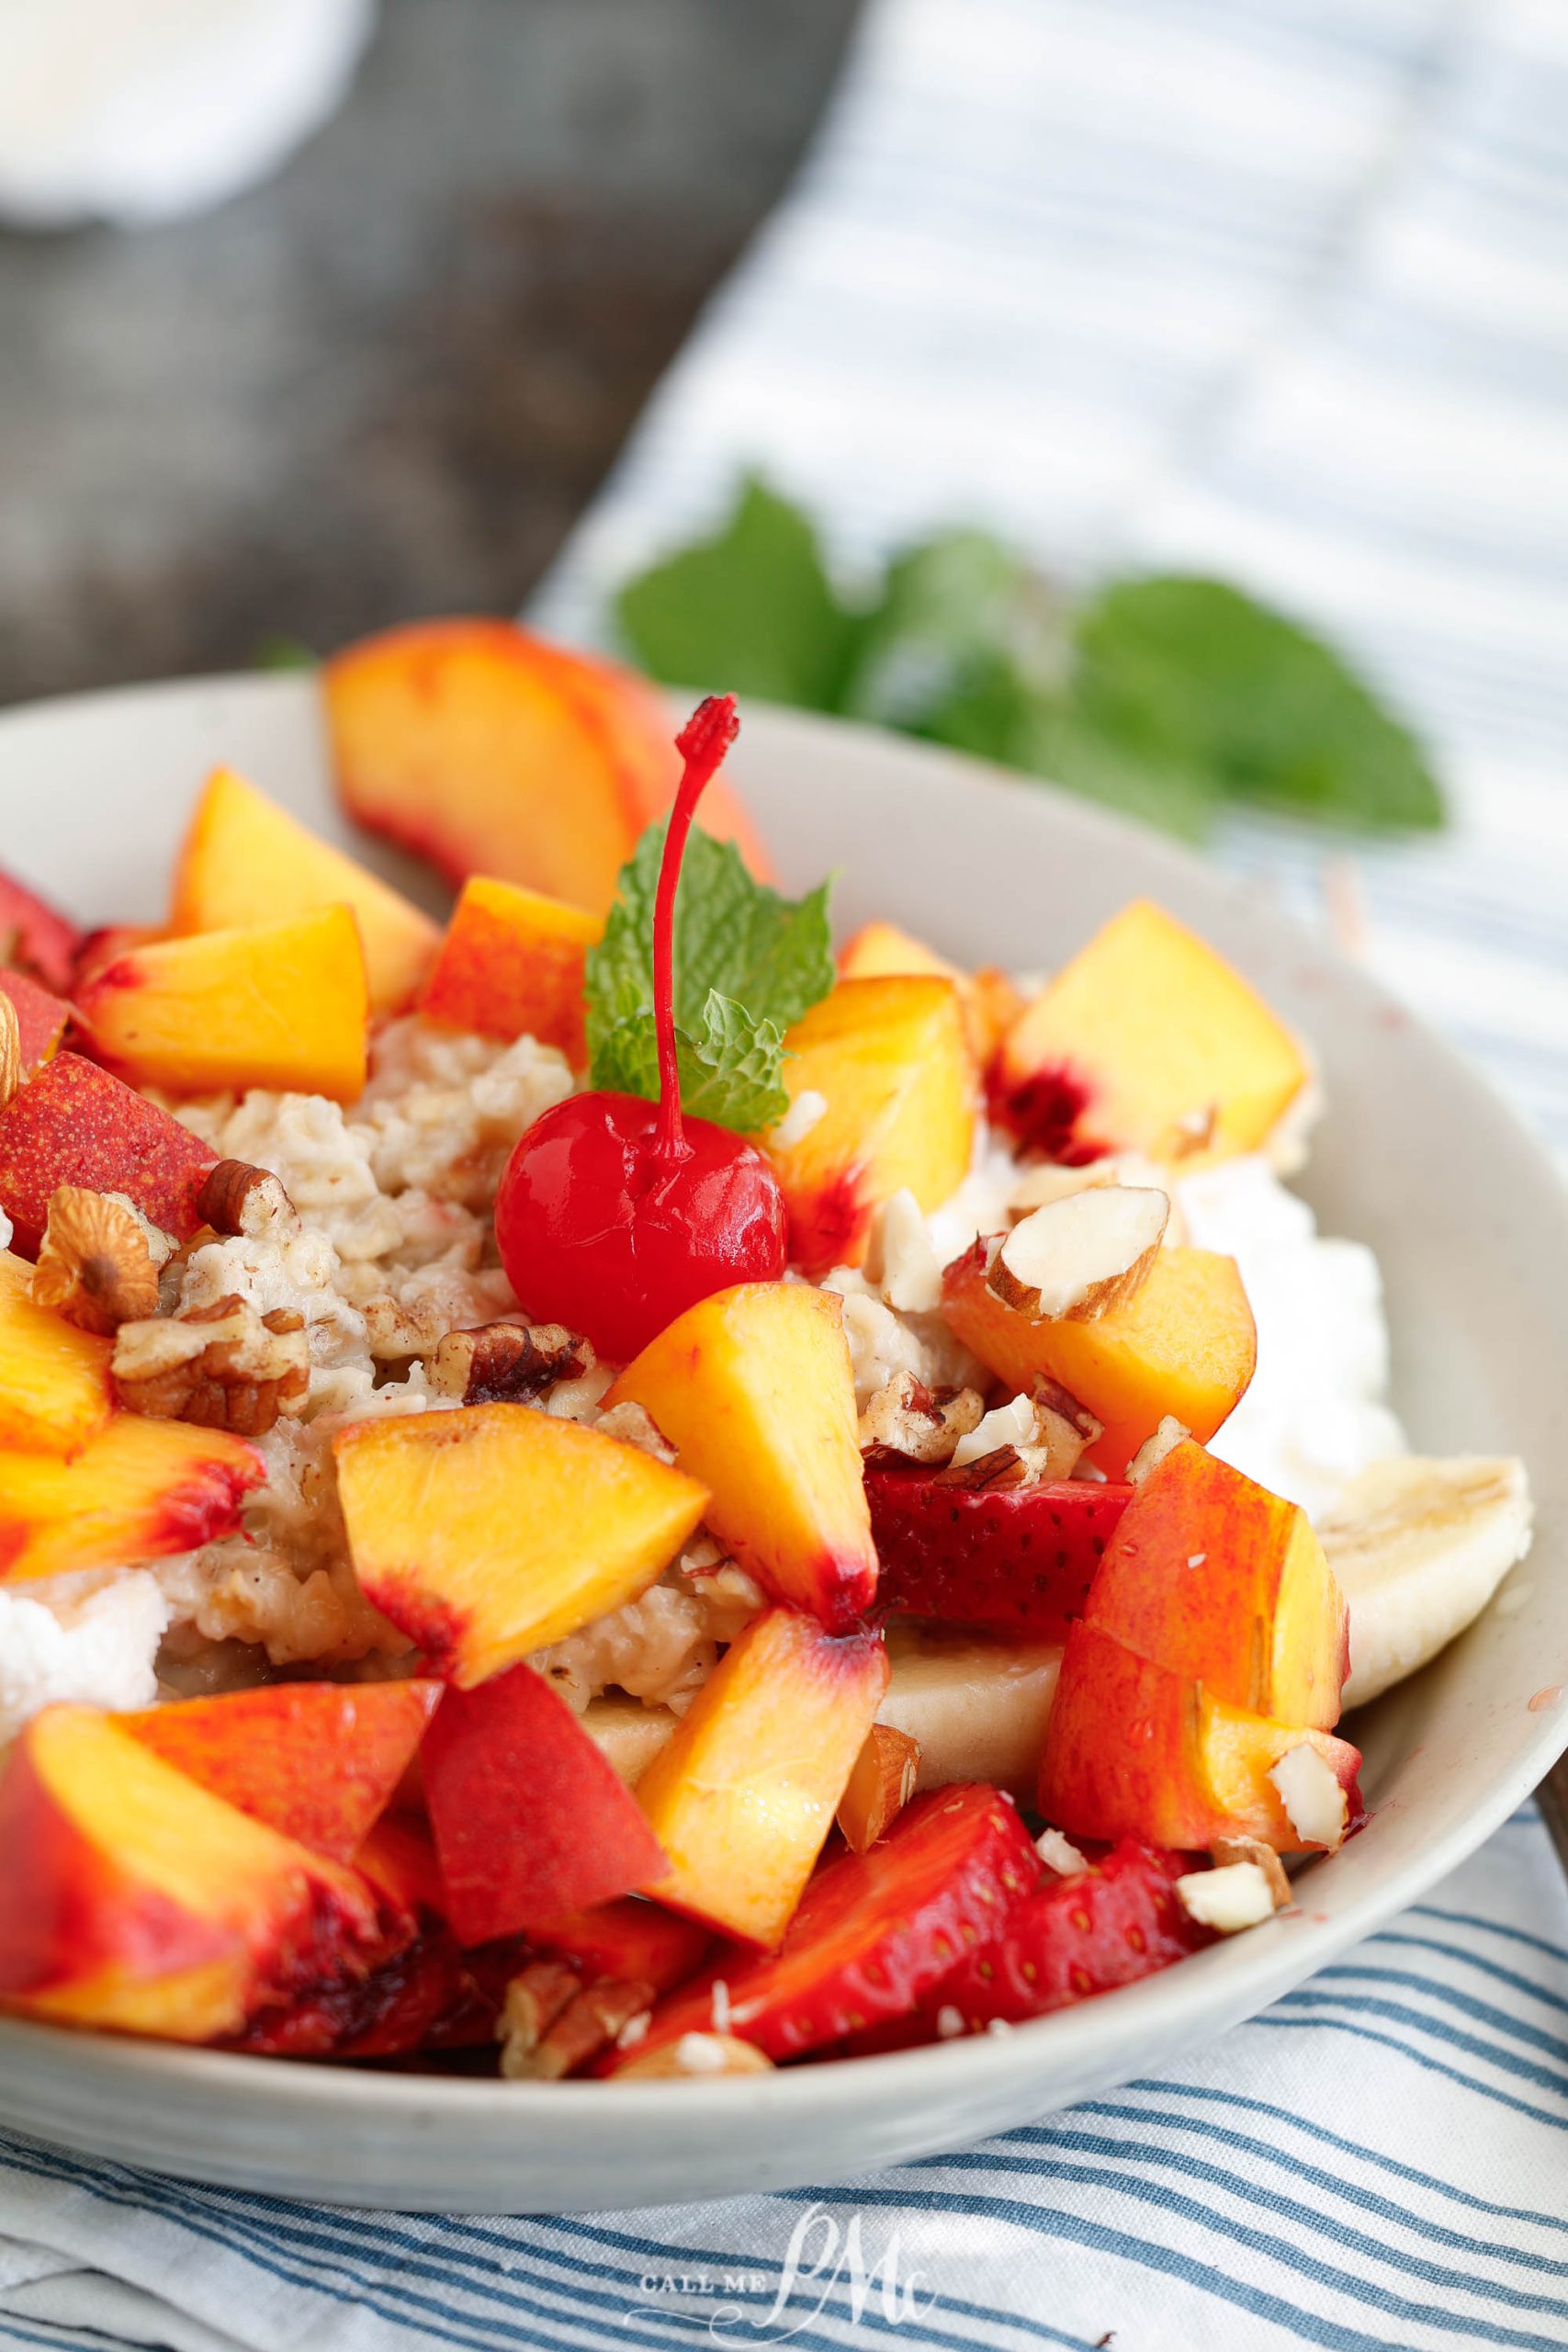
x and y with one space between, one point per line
1010 1558
1107 1926
874 1933
630 1939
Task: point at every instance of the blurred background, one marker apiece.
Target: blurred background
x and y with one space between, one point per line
384 381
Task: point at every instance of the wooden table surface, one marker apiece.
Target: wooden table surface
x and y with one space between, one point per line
387 381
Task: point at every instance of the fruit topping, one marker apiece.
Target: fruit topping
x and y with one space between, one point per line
138 1490
885 1776
54 1378
36 940
75 1123
1016 1559
511 961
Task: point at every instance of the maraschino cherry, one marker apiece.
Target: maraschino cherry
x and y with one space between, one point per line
615 1215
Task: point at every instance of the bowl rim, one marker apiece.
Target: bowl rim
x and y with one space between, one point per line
1209 1989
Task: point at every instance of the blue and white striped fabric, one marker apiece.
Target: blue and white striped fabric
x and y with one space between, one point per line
1280 288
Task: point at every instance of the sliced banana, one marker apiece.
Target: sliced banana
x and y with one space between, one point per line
977 1708
1420 1548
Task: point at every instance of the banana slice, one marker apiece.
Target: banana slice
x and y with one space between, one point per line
977 1708
1420 1548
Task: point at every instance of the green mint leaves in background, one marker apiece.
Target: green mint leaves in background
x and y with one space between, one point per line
1166 696
747 963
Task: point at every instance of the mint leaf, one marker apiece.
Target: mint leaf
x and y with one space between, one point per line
750 612
747 963
948 610
732 1067
1193 674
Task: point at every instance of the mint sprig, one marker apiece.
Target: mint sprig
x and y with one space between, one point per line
1165 695
747 963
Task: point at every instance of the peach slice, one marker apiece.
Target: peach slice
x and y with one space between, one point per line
40 1018
481 748
631 1939
1184 1344
280 1004
530 1820
1224 1584
139 1901
510 965
75 1123
992 1003
1135 1751
890 1061
1147 1041
753 1389
138 1490
317 1761
743 1796
495 1530
246 861
36 938
54 1379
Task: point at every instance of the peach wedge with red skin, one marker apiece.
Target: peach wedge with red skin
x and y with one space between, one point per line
36 937
281 1005
1183 1345
54 1379
890 1058
137 1901
743 1796
479 747
75 1123
1147 1041
139 1490
753 1389
495 1530
992 1003
40 1018
511 965
246 861
1135 1751
1212 1576
317 1761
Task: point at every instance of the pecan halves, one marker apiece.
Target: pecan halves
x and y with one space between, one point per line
553 2022
94 1266
506 1362
921 1424
236 1198
221 1367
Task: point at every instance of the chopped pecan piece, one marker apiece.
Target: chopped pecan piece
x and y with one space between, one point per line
506 1362
1064 1427
94 1263
1004 1466
239 1199
222 1367
920 1423
634 1425
10 1050
553 2023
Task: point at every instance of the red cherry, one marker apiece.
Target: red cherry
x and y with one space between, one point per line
615 1215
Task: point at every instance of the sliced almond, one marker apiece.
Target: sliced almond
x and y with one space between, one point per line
880 1785
1155 1447
1316 1804
1076 1258
1226 1850
1235 1896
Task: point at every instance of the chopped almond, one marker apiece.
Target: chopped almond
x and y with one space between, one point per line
880 1785
1080 1257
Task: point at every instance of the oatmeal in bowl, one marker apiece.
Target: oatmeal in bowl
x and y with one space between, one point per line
624 1490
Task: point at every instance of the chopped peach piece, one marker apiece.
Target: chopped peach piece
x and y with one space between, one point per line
54 1379
138 1490
742 1797
1213 1577
1135 1751
890 1062
75 1123
1147 1041
511 965
1183 1345
36 937
753 1389
992 1003
495 1530
139 1901
477 745
40 1018
279 1004
317 1761
246 861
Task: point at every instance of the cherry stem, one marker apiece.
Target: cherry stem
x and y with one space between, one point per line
702 743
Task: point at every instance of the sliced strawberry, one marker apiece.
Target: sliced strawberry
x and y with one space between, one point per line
630 1939
1107 1926
35 938
1011 1558
874 1931
531 1821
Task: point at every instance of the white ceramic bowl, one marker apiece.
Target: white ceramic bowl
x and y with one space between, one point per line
1415 1156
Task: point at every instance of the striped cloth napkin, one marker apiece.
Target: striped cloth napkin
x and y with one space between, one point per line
1277 287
